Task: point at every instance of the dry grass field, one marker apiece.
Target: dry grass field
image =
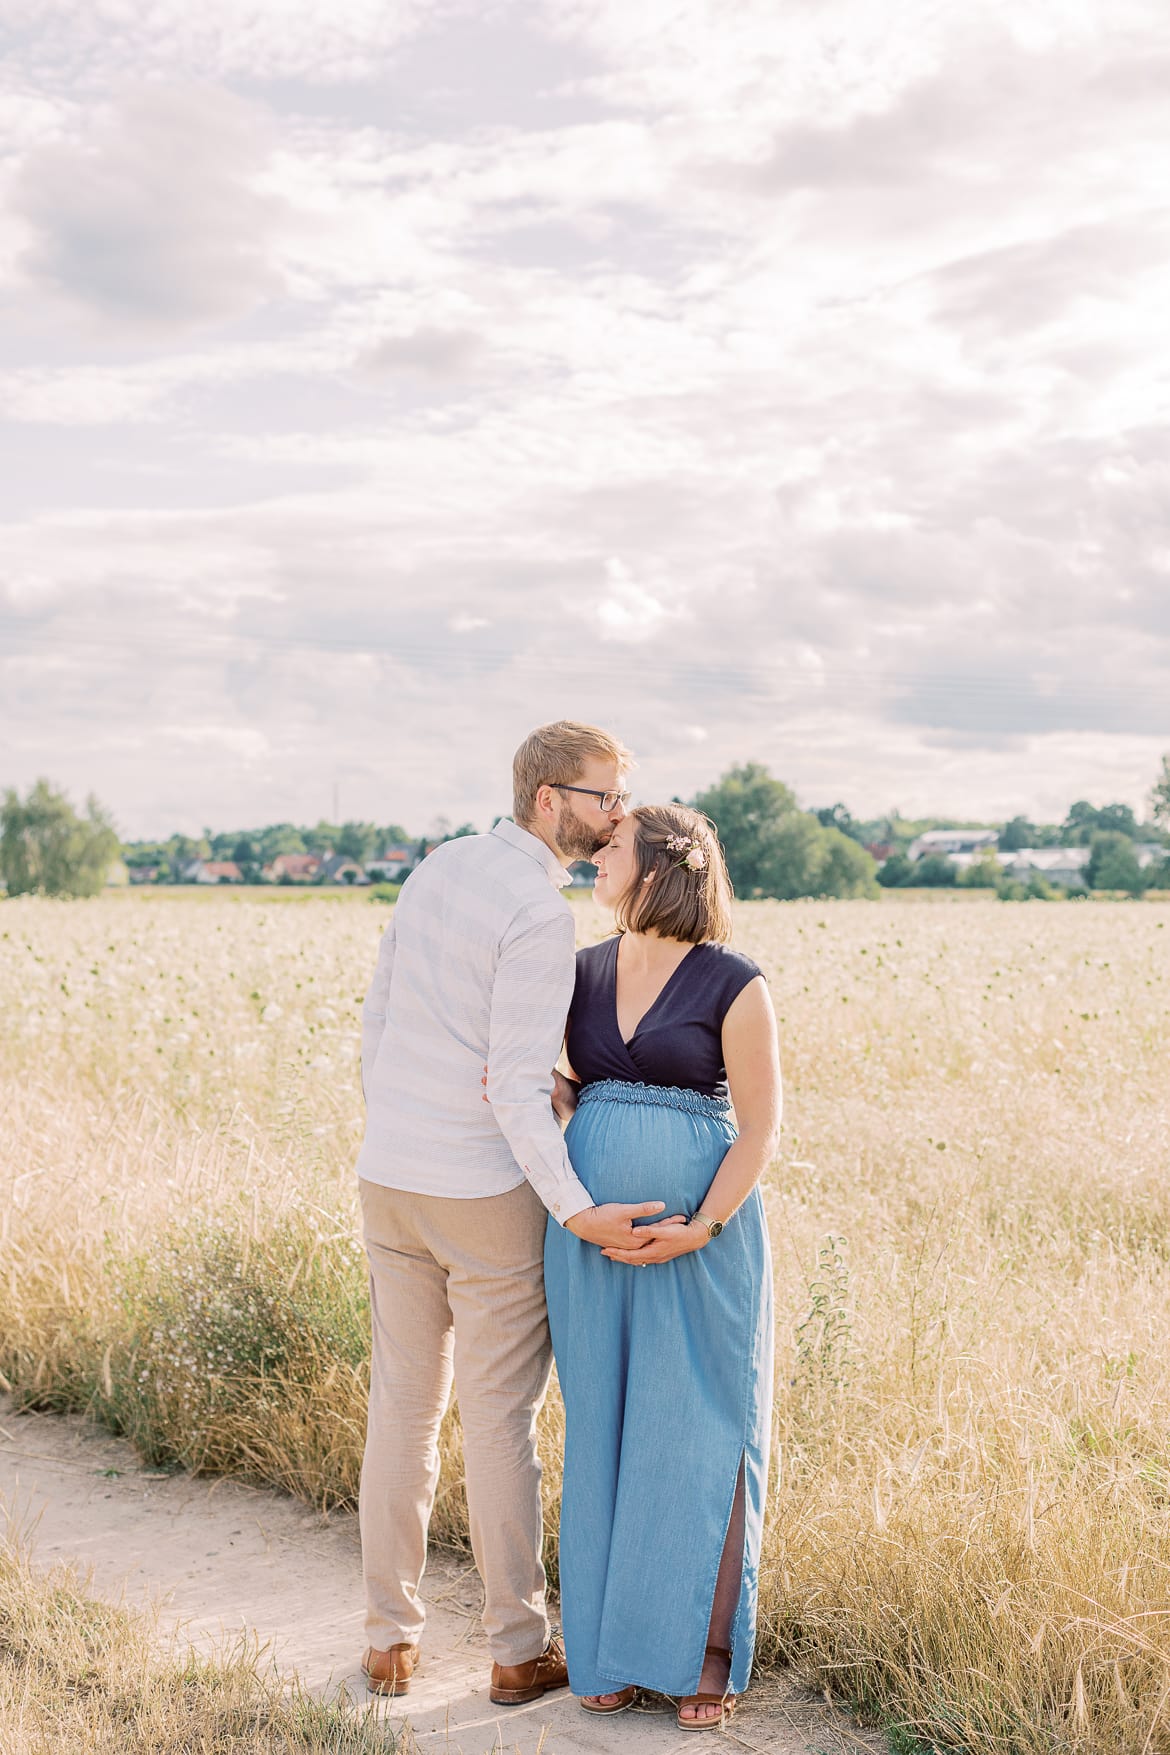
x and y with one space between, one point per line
969 1530
81 1676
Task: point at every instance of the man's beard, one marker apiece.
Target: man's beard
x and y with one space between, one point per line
576 839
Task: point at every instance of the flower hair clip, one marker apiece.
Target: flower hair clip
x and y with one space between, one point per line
694 857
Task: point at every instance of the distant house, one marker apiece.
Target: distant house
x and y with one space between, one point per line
963 861
1149 853
296 868
213 871
582 875
392 866
117 875
1056 865
948 842
144 874
337 869
879 850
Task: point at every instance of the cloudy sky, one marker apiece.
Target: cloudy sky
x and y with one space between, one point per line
767 379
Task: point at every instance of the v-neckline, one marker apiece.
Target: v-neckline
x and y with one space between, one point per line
654 1003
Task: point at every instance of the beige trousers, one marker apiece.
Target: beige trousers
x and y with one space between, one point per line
456 1289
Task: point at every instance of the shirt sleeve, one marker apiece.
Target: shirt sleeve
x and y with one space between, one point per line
376 1002
530 1002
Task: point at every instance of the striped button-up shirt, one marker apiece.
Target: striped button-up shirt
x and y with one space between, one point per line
476 964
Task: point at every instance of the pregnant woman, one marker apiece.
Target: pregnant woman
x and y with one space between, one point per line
665 1354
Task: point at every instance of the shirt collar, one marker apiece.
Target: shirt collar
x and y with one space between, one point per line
536 849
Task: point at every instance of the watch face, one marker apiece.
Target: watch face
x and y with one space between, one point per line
716 1227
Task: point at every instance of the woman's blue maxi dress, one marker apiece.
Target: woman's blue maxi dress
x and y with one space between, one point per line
666 1370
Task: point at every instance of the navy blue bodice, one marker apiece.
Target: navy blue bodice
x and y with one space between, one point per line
679 1041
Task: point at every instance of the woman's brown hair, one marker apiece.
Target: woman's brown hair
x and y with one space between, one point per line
691 903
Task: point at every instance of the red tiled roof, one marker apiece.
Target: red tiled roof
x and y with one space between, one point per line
292 863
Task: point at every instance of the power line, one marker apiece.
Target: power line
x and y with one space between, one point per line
754 680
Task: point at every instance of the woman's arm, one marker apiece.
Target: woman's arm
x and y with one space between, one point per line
752 1059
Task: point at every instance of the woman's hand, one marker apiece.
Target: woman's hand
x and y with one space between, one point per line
564 1096
666 1239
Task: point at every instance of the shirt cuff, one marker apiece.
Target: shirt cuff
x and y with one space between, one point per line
571 1200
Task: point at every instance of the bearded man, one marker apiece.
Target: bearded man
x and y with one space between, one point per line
476 966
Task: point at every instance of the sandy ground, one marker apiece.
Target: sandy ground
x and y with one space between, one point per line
219 1558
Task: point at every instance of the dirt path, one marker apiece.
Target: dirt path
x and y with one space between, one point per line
221 1557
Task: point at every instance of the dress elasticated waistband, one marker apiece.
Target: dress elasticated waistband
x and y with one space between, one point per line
659 1096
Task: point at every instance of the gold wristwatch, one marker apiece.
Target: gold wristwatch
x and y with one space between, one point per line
714 1226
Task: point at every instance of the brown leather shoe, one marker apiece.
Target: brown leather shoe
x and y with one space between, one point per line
512 1684
389 1672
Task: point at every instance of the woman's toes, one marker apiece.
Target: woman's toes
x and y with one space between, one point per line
701 1710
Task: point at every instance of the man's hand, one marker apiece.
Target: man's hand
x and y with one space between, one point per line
612 1226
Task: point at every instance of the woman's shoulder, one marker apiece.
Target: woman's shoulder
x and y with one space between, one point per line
725 973
731 964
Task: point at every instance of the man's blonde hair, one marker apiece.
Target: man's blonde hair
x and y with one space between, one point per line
554 755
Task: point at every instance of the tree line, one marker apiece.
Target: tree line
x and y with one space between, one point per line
773 847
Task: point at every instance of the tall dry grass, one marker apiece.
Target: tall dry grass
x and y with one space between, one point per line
970 1524
78 1675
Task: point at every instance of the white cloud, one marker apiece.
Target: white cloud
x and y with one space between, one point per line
628 611
385 374
154 216
269 39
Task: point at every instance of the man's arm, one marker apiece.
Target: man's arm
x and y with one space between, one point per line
376 1002
530 1002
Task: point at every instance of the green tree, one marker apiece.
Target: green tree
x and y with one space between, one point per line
775 849
181 850
745 806
845 868
895 872
1016 834
47 849
1113 864
1084 820
358 841
836 816
983 873
935 872
1160 796
278 838
321 837
247 858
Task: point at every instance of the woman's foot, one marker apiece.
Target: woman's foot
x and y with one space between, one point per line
616 1702
712 1705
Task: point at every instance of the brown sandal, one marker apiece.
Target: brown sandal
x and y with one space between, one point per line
726 1703
625 1697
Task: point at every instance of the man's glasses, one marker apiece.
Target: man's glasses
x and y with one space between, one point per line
607 801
